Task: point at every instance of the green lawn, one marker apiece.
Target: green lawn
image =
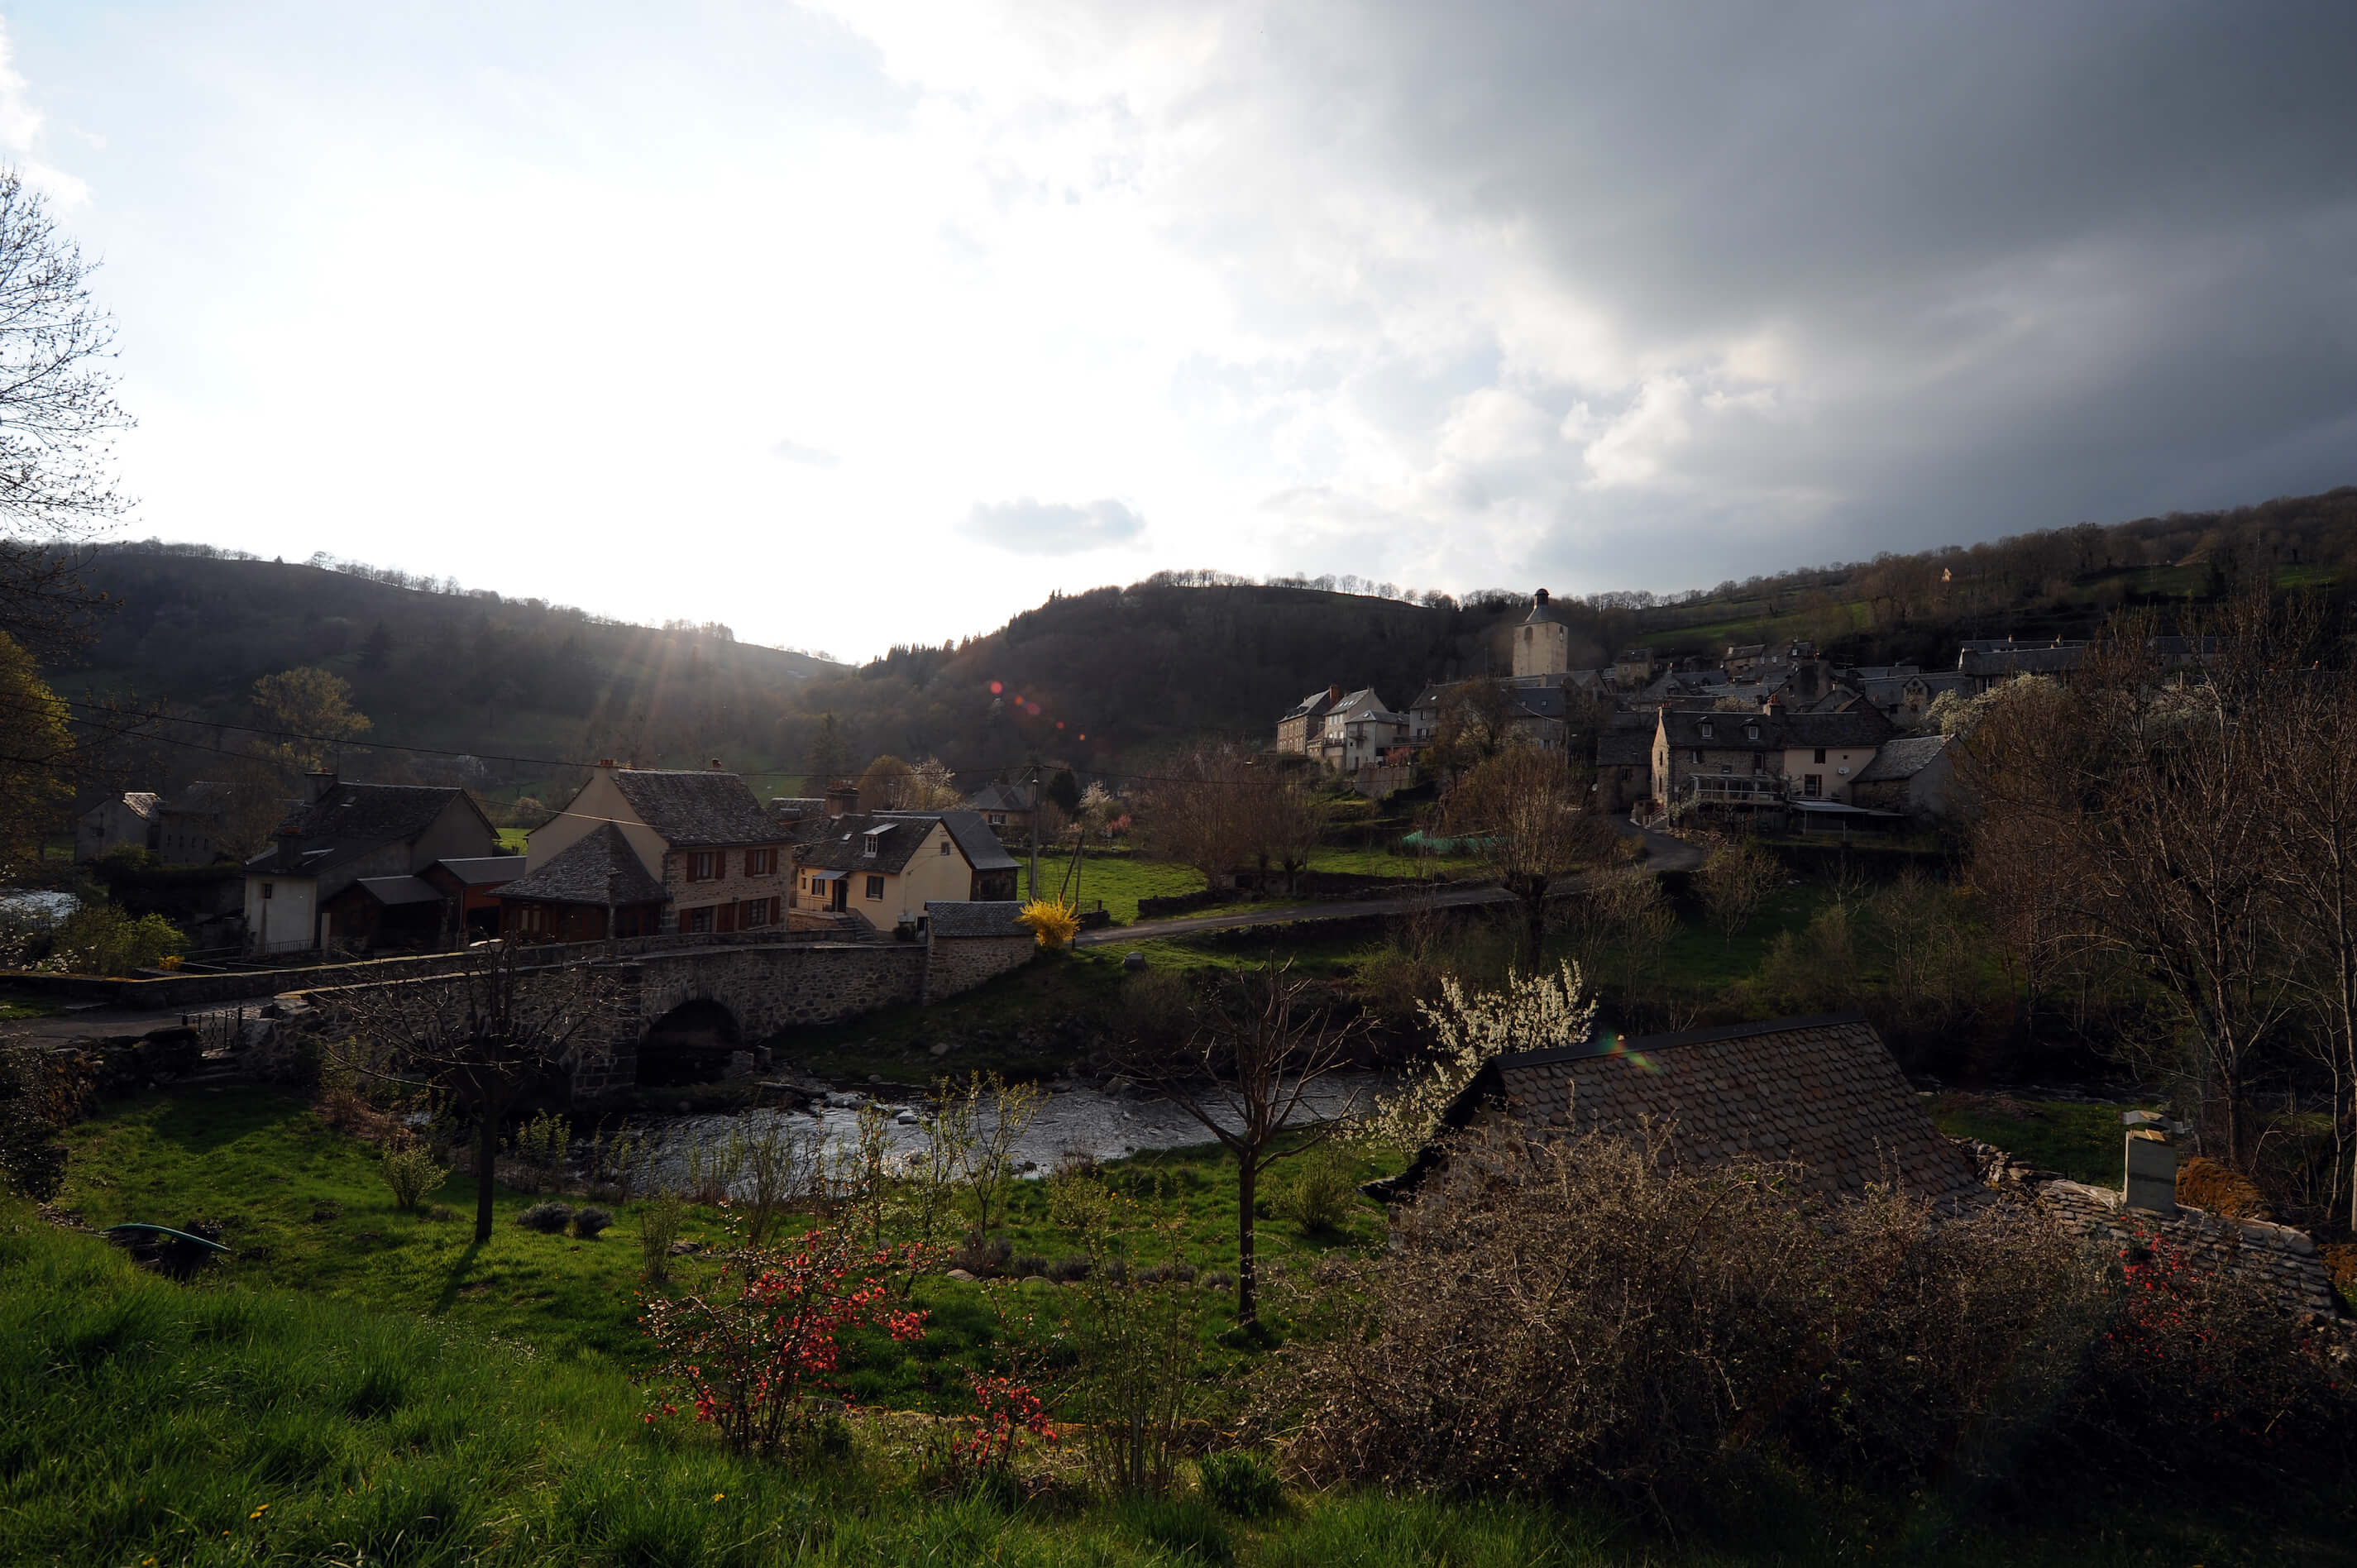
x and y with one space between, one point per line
1391 864
2085 1142
514 840
1700 958
1115 881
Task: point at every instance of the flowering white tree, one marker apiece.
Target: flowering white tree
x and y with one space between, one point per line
1535 1012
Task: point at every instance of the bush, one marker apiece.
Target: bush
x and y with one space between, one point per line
589 1221
412 1175
1318 1192
99 939
548 1219
1242 1483
1575 1312
660 1218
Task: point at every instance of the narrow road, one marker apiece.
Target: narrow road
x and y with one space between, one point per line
1663 853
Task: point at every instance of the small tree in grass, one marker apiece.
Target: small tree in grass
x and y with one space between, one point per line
483 1034
752 1353
1242 1058
1524 812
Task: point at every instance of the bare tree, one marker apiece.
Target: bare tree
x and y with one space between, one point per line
1242 1061
483 1033
1290 824
1200 812
1524 812
1736 880
58 412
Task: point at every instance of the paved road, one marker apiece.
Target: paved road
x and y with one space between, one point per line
1662 854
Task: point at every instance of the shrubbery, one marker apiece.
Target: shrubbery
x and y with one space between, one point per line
1576 1313
412 1175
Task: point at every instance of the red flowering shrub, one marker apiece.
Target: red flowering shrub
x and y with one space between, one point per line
751 1354
1005 1410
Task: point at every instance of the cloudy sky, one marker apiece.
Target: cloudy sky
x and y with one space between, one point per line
850 325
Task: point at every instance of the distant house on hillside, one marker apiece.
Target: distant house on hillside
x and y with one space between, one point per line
1301 726
707 858
883 869
1359 730
126 818
383 833
1002 805
190 826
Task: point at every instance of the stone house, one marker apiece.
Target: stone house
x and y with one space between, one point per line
1624 761
1003 806
1751 760
1357 732
347 834
1823 1093
886 868
1911 773
715 860
131 818
1301 726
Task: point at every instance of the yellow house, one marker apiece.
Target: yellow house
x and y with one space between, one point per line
885 867
707 859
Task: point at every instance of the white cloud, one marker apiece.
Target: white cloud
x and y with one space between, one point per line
1029 527
810 456
21 126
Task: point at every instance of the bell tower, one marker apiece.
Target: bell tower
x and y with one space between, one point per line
1542 643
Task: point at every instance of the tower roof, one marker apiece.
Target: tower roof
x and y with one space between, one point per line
1541 614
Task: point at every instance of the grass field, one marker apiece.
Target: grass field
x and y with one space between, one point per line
2085 1142
1119 881
338 1393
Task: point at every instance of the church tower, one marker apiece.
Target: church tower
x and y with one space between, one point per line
1542 643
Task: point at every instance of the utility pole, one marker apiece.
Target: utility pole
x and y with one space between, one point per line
1035 828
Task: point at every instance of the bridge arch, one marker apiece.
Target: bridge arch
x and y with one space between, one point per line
690 1043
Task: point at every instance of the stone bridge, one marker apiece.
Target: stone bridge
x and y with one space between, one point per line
683 1009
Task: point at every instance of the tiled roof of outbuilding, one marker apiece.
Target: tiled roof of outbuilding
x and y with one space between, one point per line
1903 757
599 867
1823 1093
839 843
696 806
981 917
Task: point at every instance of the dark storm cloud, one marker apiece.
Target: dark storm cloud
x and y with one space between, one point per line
1888 275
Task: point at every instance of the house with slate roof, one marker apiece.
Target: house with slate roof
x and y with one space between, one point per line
1821 1094
1004 805
886 869
1299 727
690 851
1755 761
386 833
130 818
1624 761
1911 773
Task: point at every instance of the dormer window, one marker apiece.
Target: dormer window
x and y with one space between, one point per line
868 843
1751 732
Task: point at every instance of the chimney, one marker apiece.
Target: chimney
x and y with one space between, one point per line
716 764
841 798
322 782
1333 695
2152 1171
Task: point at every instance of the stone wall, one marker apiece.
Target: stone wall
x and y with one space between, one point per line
960 963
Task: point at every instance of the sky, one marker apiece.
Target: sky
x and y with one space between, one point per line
852 325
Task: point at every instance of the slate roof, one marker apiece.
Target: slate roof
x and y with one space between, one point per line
2281 1261
696 807
1860 726
143 802
1542 612
1018 797
2019 660
1902 757
204 798
599 867
839 843
1823 1093
1311 706
1626 742
397 890
982 917
350 820
476 870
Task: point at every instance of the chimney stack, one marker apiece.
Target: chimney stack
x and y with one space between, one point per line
321 783
2151 1171
841 798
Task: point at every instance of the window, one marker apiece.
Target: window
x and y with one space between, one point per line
704 865
757 913
875 887
1706 730
760 862
269 889
945 846
1695 756
871 845
696 922
1821 754
1813 785
1751 732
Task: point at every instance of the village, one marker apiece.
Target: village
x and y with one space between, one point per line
849 786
